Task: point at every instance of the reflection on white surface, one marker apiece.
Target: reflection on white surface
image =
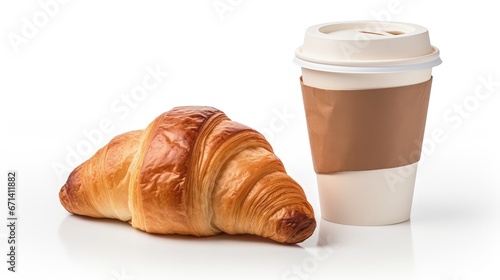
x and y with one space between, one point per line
376 252
105 248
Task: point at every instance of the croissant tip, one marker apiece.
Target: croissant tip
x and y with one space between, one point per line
297 227
64 199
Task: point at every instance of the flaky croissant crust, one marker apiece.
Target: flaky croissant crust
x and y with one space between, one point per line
192 171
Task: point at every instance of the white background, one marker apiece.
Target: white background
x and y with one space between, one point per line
69 74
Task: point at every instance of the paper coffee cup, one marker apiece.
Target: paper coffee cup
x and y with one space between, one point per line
366 87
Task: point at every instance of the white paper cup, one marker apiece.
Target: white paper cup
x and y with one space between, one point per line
364 55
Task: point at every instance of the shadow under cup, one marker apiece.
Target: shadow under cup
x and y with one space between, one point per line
366 118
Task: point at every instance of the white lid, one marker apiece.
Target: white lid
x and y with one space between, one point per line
366 47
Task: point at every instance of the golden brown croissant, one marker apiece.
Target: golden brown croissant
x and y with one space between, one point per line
192 171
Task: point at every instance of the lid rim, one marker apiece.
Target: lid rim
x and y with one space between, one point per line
366 69
369 62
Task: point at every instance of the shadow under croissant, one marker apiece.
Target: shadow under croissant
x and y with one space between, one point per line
100 245
79 231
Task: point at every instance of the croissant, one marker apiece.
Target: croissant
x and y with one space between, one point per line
192 171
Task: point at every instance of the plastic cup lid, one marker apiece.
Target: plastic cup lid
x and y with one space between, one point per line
367 47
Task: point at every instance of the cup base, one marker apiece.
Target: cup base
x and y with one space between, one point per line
367 198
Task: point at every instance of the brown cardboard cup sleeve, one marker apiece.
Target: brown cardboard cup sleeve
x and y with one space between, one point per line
353 130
